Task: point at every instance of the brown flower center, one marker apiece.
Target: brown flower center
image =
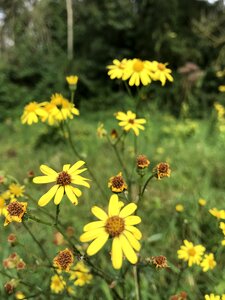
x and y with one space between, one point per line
63 178
192 252
115 226
131 121
142 161
161 67
160 261
138 66
15 209
64 259
117 181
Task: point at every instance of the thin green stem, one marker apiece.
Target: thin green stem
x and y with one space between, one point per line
137 282
145 185
57 214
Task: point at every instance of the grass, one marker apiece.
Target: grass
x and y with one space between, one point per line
196 155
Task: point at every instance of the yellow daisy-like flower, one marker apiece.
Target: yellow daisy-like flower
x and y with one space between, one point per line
16 189
57 284
212 297
117 183
128 121
64 260
31 113
201 201
72 79
223 297
65 108
138 72
179 208
221 88
208 262
63 183
117 69
15 211
52 111
219 214
101 131
6 195
80 274
191 253
20 296
161 72
222 226
117 224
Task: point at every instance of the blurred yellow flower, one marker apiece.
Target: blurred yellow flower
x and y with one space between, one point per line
65 108
191 253
2 206
138 72
179 208
219 214
201 201
80 274
117 183
219 109
63 183
221 88
222 226
212 297
31 113
208 262
72 79
101 132
52 111
6 195
16 189
15 211
128 121
117 69
117 224
161 72
57 284
20 296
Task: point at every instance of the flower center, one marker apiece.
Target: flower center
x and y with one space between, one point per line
192 252
15 209
131 121
115 226
161 67
117 181
64 259
138 66
163 167
63 178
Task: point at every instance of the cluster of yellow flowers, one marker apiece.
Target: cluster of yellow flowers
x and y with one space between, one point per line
219 214
214 297
193 254
220 110
139 71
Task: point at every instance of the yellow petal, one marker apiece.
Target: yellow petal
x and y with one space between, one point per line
48 171
48 196
117 255
76 166
76 191
128 250
59 194
99 213
66 167
70 194
128 210
44 179
132 240
136 232
93 225
114 208
91 235
77 179
132 220
97 244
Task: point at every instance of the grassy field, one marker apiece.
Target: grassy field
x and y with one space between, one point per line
195 152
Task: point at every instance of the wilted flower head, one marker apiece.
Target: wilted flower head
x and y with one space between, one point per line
159 261
142 161
15 211
11 238
64 260
162 170
117 184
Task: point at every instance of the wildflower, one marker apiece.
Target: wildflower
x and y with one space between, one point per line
6 195
162 170
58 239
52 112
64 260
212 297
208 262
201 201
160 262
161 72
10 286
117 69
31 113
142 162
21 265
222 226
20 296
138 71
219 214
57 284
63 183
80 274
2 206
117 224
15 211
11 239
114 134
128 121
16 189
221 88
179 208
117 183
72 79
101 132
191 253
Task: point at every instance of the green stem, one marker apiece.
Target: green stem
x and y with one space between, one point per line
145 185
137 282
57 214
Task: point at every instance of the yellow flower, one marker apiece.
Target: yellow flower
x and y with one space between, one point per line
219 214
222 226
15 211
117 224
52 111
139 71
179 208
161 72
101 132
223 242
31 113
2 206
63 183
201 201
20 296
65 108
117 69
6 195
212 297
189 252
80 274
57 284
223 297
16 189
208 262
128 121
72 79
220 110
117 183
221 88
63 260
